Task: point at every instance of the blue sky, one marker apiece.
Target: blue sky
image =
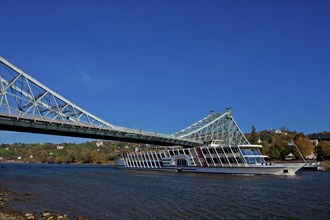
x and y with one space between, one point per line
162 65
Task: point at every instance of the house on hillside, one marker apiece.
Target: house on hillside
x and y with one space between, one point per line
290 156
99 143
312 156
59 147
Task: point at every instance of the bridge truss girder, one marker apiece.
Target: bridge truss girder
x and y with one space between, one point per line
27 105
215 126
22 95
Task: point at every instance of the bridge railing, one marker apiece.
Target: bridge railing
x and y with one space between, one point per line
25 116
16 113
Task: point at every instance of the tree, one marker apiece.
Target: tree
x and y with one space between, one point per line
304 144
86 156
253 137
274 153
280 145
94 156
323 149
70 158
59 159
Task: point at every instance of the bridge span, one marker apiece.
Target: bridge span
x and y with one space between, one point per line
26 105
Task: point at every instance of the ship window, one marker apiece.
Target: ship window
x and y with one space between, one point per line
259 153
186 152
251 160
260 160
204 151
223 160
219 150
255 151
235 150
248 152
181 151
216 160
181 162
231 160
208 160
171 153
212 151
227 150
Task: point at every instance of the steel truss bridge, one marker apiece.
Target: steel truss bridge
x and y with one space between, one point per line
26 105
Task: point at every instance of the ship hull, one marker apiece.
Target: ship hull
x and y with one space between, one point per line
275 169
253 170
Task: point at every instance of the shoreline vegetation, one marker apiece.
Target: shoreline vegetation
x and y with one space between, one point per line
90 152
326 165
277 144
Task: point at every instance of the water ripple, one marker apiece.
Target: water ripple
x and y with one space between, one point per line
102 192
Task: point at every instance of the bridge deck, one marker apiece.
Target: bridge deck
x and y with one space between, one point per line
41 126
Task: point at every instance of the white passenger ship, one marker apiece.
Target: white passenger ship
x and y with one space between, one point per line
228 152
215 158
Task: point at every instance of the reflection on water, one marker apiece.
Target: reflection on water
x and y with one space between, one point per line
103 192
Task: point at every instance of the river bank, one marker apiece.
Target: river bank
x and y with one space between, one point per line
7 196
326 165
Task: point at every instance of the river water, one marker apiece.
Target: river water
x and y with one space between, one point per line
104 192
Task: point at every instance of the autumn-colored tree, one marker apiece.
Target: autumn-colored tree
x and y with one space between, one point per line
304 145
59 159
281 147
323 149
70 158
94 156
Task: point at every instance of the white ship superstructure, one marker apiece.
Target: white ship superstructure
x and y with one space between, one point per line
226 150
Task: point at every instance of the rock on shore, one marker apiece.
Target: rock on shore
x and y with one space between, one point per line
8 214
